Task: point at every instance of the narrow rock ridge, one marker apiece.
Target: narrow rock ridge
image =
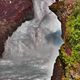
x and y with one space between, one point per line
62 9
58 72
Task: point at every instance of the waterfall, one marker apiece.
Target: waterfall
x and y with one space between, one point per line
31 51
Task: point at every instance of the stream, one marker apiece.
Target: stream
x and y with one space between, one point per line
31 51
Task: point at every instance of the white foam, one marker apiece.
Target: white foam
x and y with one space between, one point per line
6 62
24 45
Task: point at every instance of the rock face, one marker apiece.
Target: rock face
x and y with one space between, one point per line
58 9
58 70
12 14
63 10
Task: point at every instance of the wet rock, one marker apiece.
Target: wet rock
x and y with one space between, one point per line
62 9
12 14
58 72
58 9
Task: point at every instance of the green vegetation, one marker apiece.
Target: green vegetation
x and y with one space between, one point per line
72 37
73 30
72 40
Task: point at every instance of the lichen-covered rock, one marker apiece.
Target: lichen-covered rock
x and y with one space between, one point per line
12 14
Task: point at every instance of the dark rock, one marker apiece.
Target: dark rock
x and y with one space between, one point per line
58 71
58 8
12 14
15 9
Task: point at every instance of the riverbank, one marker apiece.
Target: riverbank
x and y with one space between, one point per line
67 64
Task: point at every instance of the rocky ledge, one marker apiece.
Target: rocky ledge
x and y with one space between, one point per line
12 14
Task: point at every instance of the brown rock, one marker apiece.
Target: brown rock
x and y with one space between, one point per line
58 9
12 14
58 71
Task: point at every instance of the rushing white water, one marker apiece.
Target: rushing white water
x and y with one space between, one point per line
31 51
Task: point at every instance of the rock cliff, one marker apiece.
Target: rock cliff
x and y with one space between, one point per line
12 14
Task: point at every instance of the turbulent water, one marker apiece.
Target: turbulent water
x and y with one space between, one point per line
31 51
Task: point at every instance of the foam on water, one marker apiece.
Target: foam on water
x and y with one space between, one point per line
31 51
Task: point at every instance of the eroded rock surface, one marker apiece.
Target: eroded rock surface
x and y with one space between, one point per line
12 14
58 70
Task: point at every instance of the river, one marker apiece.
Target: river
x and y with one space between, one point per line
31 51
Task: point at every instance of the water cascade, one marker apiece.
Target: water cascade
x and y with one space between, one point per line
31 51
